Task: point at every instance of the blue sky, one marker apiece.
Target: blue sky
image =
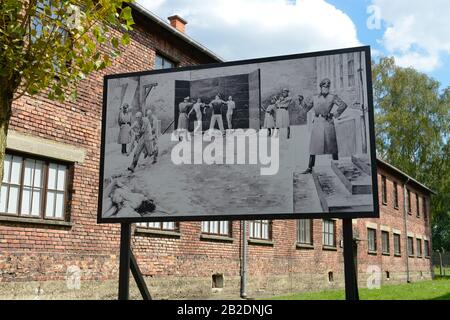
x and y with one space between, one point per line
415 32
357 10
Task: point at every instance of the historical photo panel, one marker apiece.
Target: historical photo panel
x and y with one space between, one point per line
280 137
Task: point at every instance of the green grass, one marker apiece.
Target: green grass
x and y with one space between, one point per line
438 289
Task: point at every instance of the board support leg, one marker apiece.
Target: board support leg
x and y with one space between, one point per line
124 264
143 289
351 284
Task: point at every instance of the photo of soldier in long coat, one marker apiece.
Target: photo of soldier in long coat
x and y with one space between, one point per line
124 121
323 135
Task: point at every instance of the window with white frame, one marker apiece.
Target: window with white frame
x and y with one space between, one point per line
304 231
168 225
372 239
329 233
385 246
260 229
220 228
35 188
426 248
419 247
397 244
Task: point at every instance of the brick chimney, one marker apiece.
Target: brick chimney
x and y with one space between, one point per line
177 22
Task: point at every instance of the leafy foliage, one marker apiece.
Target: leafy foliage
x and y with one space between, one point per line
50 45
412 133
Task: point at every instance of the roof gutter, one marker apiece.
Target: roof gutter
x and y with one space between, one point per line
168 27
408 178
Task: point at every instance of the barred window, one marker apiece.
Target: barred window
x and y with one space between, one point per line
260 229
35 188
397 244
385 242
351 70
221 228
304 231
329 233
372 239
169 226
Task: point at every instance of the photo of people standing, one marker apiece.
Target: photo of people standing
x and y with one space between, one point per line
315 108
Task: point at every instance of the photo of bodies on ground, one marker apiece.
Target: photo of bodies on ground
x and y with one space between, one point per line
268 138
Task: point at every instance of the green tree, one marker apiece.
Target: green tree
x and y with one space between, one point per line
48 46
412 122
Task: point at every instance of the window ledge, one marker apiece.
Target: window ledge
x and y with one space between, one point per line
261 242
411 256
396 207
46 222
211 237
163 233
385 254
427 257
329 248
304 246
372 252
397 255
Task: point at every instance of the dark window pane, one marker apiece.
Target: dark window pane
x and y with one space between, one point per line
163 63
395 190
383 190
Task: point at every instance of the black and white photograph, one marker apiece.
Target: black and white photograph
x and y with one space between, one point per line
276 137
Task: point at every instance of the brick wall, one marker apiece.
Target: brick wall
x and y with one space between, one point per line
31 252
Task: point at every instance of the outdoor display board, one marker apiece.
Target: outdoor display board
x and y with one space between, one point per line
281 137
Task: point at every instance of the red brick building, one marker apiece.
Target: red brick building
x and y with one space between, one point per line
48 210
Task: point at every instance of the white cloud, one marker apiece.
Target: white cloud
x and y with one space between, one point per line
239 29
416 31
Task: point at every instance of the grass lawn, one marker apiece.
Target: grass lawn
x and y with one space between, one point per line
438 289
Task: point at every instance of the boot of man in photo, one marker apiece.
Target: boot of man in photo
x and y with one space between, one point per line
312 161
